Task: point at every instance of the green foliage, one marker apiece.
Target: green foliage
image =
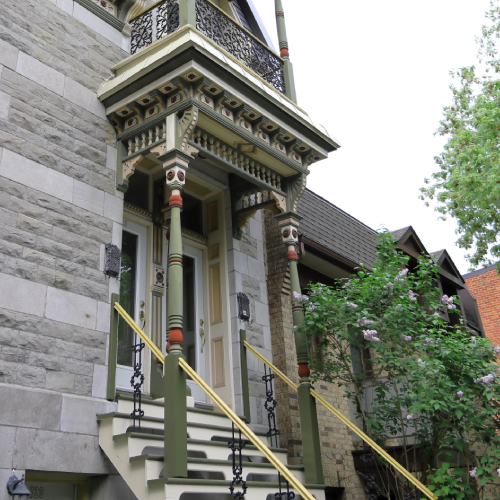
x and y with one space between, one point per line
431 384
467 186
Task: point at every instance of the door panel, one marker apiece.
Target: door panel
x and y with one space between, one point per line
194 318
132 296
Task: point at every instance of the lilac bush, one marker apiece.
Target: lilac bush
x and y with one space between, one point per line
433 385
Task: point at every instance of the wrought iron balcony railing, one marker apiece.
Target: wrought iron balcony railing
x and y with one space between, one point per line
163 19
154 24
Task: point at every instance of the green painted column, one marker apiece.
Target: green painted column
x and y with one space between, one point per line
187 13
175 164
284 52
289 223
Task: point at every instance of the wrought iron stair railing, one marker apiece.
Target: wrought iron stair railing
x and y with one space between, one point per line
374 447
163 18
237 442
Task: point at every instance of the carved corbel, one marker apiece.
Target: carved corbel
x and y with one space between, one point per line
159 149
129 166
280 201
294 191
185 127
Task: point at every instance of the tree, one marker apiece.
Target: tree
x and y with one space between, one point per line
409 374
467 185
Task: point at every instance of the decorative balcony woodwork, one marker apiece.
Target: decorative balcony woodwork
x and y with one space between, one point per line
163 18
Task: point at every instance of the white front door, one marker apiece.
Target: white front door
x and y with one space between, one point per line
194 331
132 297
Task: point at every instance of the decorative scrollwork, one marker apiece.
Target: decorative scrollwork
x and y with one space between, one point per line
270 406
230 36
236 445
136 382
163 17
142 32
167 20
284 495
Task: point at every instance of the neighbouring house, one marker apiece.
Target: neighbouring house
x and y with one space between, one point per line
154 216
485 287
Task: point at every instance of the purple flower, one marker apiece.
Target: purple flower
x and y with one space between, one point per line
486 380
412 296
448 302
351 306
429 341
371 335
422 363
297 296
312 307
473 472
401 276
496 350
460 394
389 285
365 322
407 338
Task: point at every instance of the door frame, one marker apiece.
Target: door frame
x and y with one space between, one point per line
124 373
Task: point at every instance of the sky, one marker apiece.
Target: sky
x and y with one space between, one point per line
375 74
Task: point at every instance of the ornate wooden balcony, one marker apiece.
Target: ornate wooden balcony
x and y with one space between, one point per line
163 18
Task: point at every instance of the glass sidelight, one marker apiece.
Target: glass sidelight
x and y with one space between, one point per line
126 336
132 297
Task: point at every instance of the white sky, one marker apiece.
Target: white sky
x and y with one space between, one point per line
376 75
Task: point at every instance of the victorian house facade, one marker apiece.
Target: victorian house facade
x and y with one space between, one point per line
153 170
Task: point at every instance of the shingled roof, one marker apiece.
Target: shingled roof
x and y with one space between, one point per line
336 230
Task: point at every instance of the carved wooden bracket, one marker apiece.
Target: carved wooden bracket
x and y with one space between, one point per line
129 166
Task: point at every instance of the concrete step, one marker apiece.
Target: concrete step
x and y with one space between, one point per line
203 489
122 423
215 450
155 408
251 470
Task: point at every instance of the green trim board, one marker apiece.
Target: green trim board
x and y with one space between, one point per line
100 12
244 376
113 347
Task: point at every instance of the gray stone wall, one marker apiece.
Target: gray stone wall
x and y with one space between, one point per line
58 207
246 266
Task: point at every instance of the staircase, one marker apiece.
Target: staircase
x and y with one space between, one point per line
138 457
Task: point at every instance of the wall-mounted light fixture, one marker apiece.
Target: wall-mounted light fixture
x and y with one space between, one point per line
17 489
112 261
243 307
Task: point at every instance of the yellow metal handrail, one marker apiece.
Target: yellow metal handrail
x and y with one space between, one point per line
278 465
273 459
428 493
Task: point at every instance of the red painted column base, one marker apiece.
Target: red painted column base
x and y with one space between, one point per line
175 337
304 370
175 201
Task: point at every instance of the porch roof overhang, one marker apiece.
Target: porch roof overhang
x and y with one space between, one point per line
186 48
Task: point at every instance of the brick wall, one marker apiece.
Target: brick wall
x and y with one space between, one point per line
336 440
485 287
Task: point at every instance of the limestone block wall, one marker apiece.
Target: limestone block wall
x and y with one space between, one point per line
247 275
336 439
58 207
